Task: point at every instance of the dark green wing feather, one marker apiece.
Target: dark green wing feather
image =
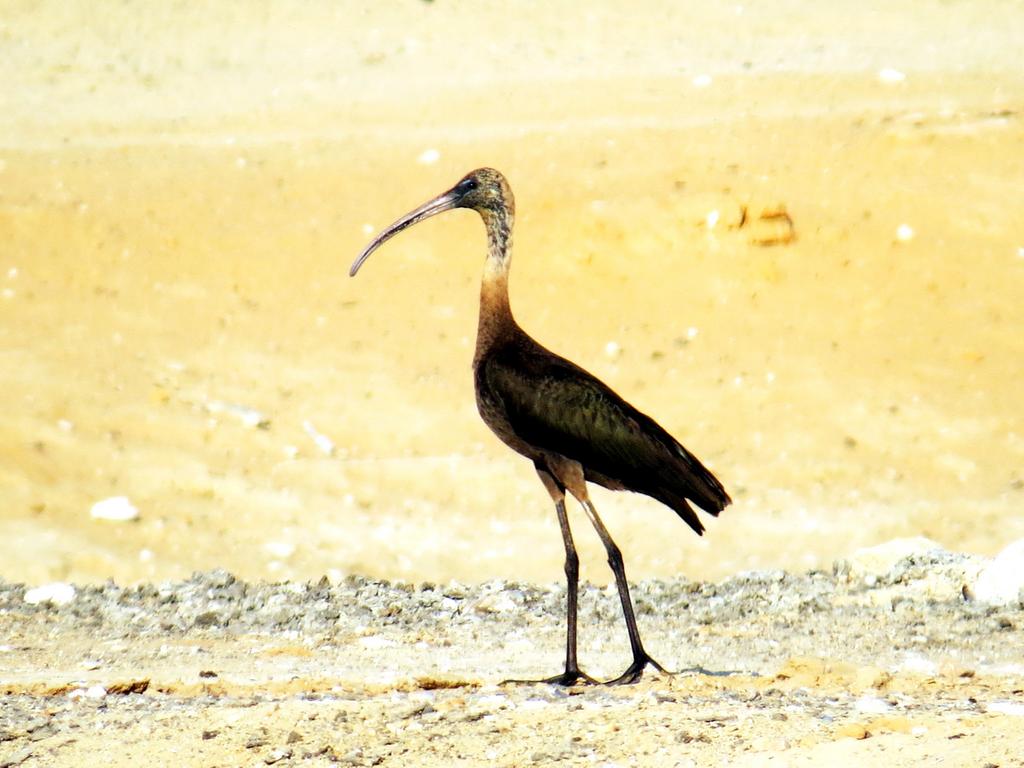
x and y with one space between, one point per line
556 406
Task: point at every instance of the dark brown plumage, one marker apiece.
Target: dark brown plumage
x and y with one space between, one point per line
572 426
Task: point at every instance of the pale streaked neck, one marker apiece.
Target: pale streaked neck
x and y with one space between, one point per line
495 312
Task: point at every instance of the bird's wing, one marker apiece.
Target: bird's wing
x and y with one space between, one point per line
556 406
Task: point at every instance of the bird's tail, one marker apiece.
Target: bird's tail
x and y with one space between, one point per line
708 492
689 479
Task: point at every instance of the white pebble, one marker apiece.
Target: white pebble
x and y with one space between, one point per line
904 233
323 442
872 704
701 81
57 593
691 333
612 349
376 642
368 229
917 664
291 451
1001 581
117 508
282 549
1020 252
1006 707
12 273
711 220
250 417
64 425
94 692
878 560
145 555
500 602
428 157
534 704
890 75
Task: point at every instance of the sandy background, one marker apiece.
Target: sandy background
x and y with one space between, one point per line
182 189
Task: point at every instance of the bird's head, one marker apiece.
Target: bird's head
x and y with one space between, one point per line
484 190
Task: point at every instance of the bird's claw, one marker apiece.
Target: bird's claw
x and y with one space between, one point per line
567 679
636 670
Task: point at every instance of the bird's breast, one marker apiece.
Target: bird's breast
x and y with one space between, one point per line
492 411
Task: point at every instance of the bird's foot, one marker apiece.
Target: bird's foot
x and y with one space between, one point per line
636 670
567 679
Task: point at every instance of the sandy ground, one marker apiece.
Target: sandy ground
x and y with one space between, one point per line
781 669
182 190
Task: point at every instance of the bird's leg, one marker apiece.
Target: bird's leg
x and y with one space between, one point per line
640 657
572 674
572 577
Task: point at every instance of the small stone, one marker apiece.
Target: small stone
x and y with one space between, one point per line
904 233
57 593
878 560
320 440
94 692
918 665
499 602
428 157
116 508
871 704
852 731
1001 581
16 758
249 417
280 549
1006 708
281 753
890 75
207 619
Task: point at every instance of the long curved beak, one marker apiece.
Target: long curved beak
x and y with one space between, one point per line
441 203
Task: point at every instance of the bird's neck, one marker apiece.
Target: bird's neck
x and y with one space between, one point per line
496 321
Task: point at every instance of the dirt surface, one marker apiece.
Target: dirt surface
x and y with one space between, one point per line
896 668
791 233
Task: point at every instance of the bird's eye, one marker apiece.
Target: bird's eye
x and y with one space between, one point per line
466 185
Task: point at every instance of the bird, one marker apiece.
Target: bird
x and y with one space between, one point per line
573 427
